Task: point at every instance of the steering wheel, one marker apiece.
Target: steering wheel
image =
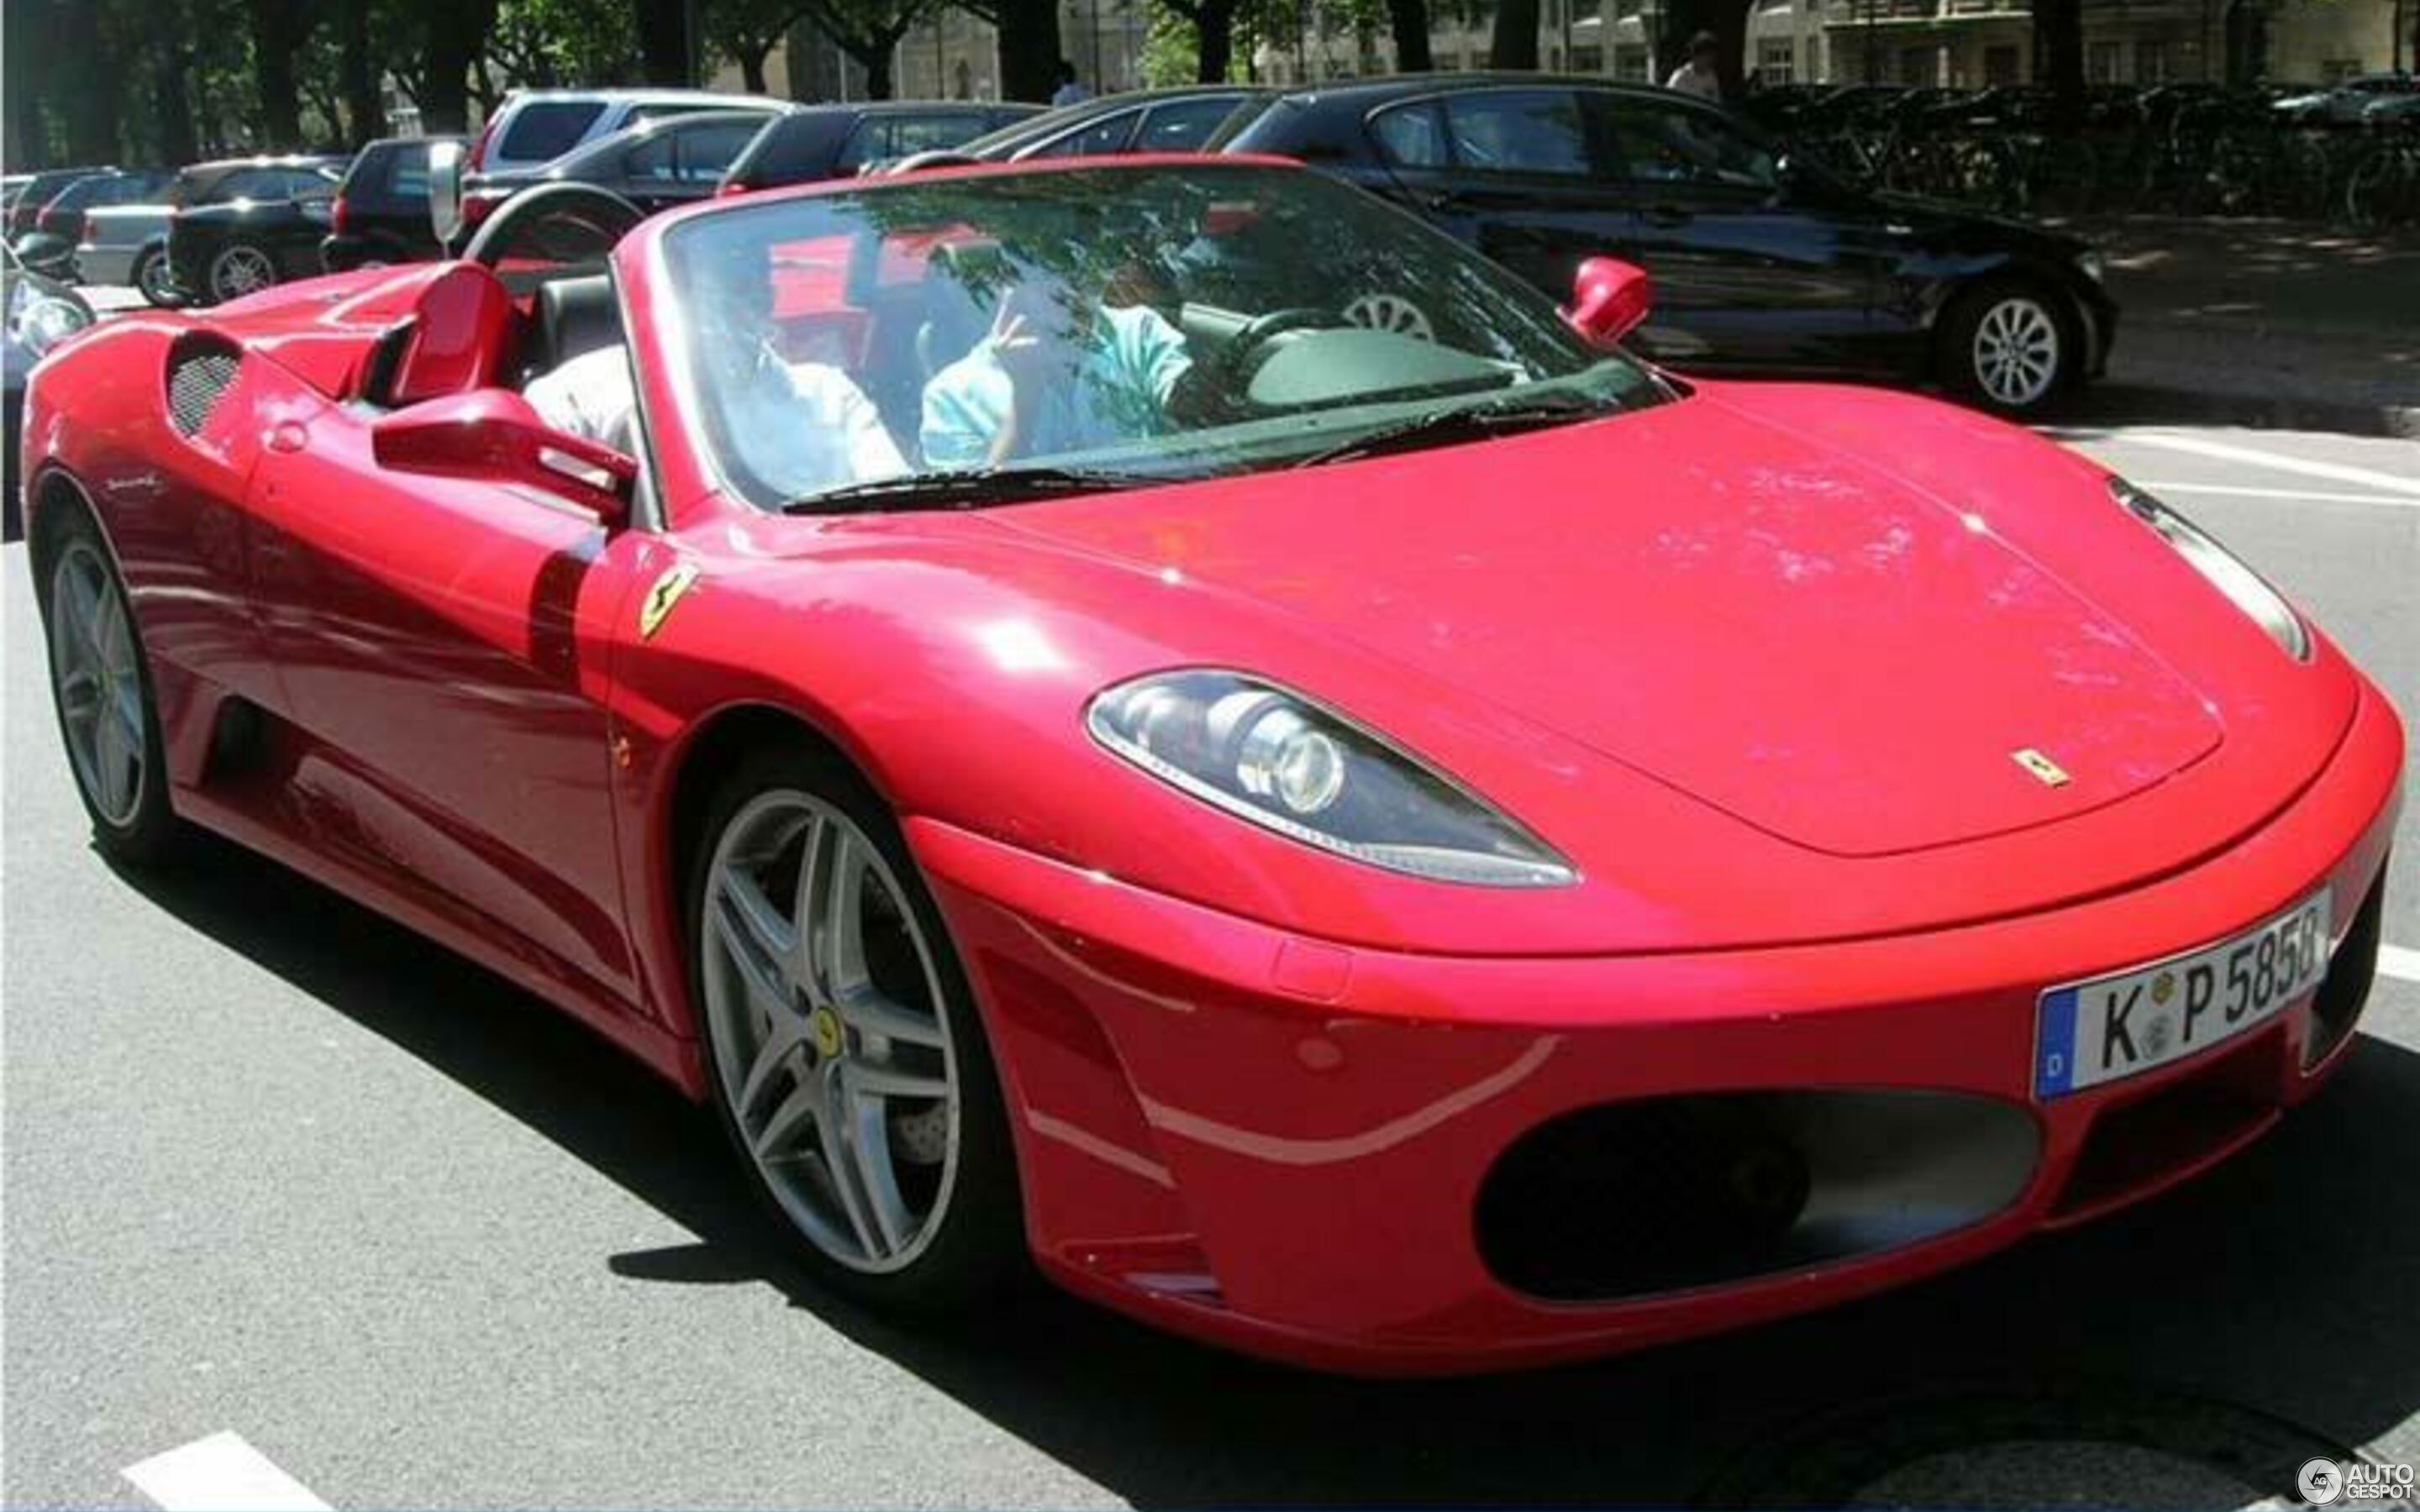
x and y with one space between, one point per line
566 223
1247 348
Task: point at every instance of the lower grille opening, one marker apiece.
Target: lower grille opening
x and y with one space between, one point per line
2181 1126
1627 1199
2336 1008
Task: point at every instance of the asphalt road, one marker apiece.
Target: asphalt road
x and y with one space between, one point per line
274 1168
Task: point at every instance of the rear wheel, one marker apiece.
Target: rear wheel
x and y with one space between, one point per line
101 687
846 1056
154 279
240 269
2009 347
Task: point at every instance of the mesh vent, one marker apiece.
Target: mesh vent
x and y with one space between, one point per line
195 382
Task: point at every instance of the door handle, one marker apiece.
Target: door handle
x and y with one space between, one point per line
1666 215
287 436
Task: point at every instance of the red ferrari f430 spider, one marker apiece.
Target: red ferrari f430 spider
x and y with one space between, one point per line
1400 844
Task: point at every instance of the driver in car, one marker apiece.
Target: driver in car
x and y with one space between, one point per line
802 427
1058 372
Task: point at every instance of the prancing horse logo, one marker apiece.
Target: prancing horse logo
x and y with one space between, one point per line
2045 771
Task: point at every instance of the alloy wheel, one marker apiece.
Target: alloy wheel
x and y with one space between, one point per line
99 682
830 1040
1390 313
240 270
2016 351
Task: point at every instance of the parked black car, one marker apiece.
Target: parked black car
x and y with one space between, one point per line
1145 120
1761 261
835 141
380 211
655 165
27 210
259 225
40 314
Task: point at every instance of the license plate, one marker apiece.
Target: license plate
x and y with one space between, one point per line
2113 1027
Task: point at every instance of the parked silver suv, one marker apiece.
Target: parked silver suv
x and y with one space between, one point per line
537 126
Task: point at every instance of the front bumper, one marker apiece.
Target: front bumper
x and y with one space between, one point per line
1279 1144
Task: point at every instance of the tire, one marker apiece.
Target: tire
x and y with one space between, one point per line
155 280
928 1219
239 268
2010 346
100 691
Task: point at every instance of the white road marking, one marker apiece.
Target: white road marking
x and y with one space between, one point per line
220 1474
2310 496
2400 962
2254 456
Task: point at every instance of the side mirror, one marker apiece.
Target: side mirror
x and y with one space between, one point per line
446 190
493 434
1609 298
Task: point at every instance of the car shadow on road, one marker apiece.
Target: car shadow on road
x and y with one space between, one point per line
2262 1314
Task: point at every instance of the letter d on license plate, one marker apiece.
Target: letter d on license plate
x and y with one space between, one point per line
2112 1027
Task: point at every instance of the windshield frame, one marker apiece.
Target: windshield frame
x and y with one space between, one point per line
660 330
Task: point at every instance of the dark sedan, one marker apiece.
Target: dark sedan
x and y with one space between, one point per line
1762 262
264 229
380 211
25 210
655 165
1146 120
835 141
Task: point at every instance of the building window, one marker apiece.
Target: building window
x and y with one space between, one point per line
2000 65
2150 62
1776 61
1918 65
2101 63
1586 57
2337 70
1630 62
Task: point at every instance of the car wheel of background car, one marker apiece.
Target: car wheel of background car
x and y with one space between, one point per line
844 1053
101 685
240 269
1390 312
2009 347
154 279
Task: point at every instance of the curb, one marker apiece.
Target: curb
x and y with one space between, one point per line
2139 404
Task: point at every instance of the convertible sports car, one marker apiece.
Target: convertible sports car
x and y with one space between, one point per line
1396 850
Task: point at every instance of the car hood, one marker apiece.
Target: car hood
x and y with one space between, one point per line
1950 220
1829 653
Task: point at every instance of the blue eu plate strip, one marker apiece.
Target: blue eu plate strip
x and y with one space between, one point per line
2055 1046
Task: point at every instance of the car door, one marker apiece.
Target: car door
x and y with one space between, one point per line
442 643
1748 271
1511 170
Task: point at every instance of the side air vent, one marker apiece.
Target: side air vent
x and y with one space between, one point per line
199 373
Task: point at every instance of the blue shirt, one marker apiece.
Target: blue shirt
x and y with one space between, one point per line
1118 391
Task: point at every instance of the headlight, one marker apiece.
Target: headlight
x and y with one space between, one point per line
48 322
2092 264
1283 763
2246 589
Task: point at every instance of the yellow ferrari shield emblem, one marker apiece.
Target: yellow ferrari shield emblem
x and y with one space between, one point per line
2043 770
657 605
823 1029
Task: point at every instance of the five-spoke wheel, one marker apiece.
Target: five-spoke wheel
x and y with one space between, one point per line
101 688
848 1065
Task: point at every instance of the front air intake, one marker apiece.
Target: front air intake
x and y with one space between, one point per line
199 374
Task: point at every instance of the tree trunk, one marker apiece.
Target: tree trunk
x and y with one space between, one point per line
1215 25
1409 20
752 66
1029 49
357 74
878 62
1515 43
2059 56
664 41
273 40
89 99
458 29
172 106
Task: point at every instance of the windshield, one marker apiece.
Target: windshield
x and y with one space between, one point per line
1118 324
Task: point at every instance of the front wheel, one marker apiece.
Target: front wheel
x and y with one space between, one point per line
847 1059
101 687
2008 346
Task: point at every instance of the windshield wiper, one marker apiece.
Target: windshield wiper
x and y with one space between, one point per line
968 488
1471 421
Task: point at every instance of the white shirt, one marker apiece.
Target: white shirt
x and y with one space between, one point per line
1691 80
822 433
